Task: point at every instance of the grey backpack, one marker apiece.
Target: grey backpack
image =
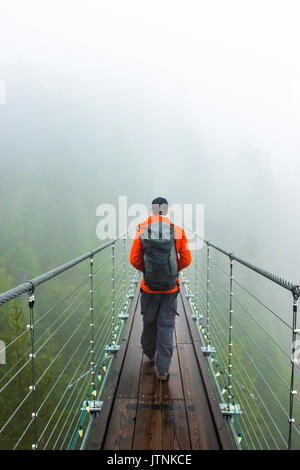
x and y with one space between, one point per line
160 256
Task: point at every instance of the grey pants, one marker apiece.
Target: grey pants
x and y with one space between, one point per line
159 313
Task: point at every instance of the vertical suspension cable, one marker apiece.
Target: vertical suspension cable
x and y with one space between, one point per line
32 387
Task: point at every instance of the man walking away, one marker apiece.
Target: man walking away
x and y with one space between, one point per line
160 250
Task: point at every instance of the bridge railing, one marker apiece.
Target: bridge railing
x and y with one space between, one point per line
58 354
247 322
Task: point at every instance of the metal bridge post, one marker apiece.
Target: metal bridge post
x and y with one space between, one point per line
208 349
113 284
124 270
92 341
294 361
230 334
207 296
196 273
124 313
32 387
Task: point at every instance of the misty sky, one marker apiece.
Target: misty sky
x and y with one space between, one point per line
197 101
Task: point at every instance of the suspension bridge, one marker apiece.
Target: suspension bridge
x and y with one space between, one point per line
74 375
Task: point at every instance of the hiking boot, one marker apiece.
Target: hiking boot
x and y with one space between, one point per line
163 377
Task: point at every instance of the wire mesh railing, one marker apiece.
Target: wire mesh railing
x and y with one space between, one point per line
59 354
248 327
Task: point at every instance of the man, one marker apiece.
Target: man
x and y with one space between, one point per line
160 250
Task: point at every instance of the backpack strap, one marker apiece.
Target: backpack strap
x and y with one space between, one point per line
160 229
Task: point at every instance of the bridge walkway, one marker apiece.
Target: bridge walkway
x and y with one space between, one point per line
141 413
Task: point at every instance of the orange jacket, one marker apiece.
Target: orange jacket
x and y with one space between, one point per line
137 251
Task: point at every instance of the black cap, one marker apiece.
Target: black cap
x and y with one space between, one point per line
160 205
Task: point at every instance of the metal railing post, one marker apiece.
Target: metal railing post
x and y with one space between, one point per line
230 334
207 296
113 284
92 341
32 387
196 273
293 392
124 269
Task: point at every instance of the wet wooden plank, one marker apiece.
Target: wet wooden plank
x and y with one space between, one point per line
147 380
121 427
130 375
181 327
201 425
148 428
224 439
172 388
175 427
187 311
102 423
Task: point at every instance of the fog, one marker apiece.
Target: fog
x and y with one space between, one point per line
196 101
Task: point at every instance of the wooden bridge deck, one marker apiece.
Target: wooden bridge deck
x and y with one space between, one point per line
141 413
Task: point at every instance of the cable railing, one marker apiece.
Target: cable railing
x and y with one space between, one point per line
247 322
64 329
59 354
